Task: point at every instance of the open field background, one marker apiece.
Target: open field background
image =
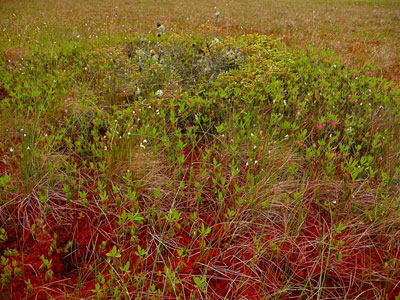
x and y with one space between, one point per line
213 158
361 32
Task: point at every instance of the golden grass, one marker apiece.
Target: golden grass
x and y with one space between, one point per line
361 32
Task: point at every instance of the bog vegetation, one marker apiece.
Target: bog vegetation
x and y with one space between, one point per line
174 166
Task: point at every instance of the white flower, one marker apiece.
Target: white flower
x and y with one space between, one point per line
217 14
256 162
105 148
11 150
214 42
137 92
160 28
129 133
142 146
159 93
334 201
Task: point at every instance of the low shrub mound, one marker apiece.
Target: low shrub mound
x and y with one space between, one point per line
176 167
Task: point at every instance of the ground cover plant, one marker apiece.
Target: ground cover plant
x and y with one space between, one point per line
361 31
196 166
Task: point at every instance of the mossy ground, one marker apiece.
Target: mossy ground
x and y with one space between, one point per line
195 166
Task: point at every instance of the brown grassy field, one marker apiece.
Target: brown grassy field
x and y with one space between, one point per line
361 32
